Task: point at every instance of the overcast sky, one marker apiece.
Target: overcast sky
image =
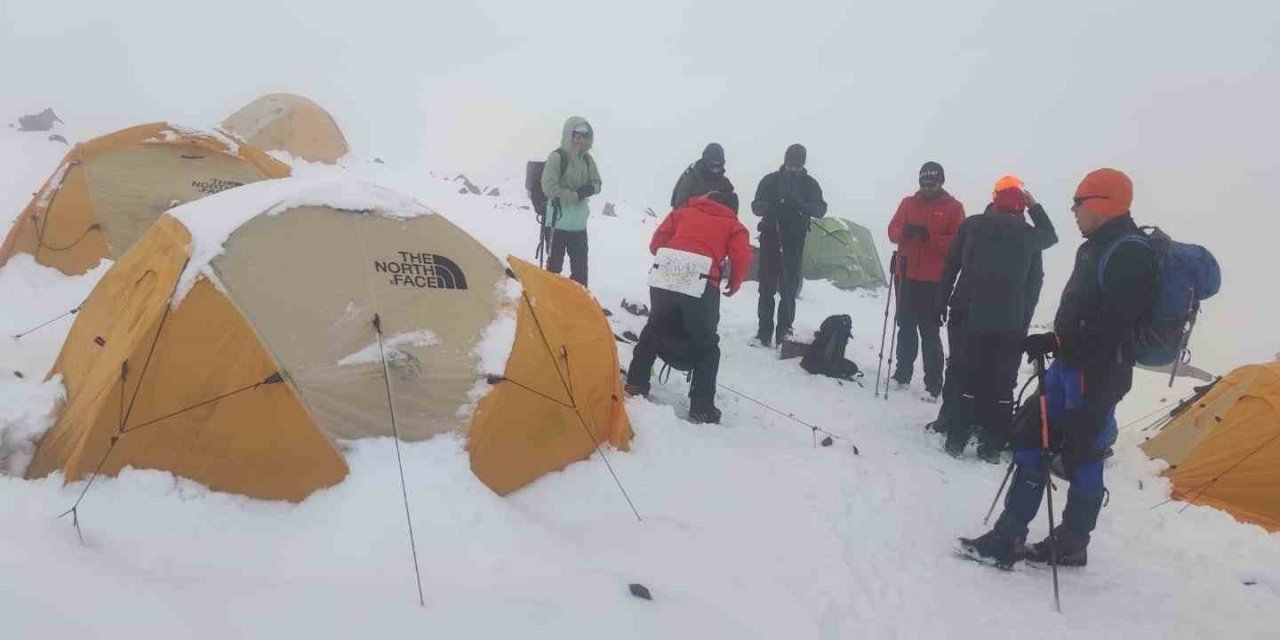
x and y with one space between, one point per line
1181 95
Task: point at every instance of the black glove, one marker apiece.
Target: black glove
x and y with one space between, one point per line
585 191
916 232
1039 345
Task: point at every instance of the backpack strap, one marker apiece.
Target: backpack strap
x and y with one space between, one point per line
1140 237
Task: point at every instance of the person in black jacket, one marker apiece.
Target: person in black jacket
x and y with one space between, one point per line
785 201
995 268
702 177
1094 339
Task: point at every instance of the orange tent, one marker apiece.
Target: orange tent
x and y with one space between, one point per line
246 374
285 122
1224 449
106 192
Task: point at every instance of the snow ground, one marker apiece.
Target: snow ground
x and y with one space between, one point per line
748 530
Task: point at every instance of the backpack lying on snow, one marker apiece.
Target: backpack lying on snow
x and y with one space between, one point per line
1186 274
826 353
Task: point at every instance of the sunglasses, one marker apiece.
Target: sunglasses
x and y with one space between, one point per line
1083 199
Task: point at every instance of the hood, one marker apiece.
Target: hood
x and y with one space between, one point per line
710 207
566 135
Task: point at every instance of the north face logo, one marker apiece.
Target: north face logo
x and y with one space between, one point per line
214 185
422 271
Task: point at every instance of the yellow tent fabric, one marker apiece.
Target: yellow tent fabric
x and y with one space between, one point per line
286 122
106 192
1224 450
249 382
563 371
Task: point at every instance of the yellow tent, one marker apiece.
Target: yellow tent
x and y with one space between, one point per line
243 369
1224 450
285 122
106 192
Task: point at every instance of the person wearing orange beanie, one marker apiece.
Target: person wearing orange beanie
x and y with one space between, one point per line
1110 290
991 281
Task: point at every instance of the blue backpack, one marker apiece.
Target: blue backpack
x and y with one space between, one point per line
1186 274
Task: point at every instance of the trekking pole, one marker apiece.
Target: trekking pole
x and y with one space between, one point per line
1004 483
1048 480
893 333
551 235
884 328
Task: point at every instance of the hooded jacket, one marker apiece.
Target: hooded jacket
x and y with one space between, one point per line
786 201
942 217
698 180
996 257
707 228
580 169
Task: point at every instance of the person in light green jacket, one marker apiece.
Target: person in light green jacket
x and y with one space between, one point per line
568 191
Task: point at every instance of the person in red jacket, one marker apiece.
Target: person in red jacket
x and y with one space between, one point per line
703 232
923 228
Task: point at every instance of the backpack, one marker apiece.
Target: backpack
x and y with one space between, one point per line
826 353
1186 275
533 182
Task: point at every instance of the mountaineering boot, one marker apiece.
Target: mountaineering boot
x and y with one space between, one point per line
993 549
989 454
1072 549
704 414
763 342
937 426
957 440
633 390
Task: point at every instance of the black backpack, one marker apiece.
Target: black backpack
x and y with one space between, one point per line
826 354
533 182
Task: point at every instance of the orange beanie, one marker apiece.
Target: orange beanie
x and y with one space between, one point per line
1007 182
1106 191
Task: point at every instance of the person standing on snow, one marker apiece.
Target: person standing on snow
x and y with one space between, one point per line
704 232
1094 339
567 192
996 257
923 227
702 177
786 201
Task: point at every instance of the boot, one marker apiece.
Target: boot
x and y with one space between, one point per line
704 415
957 439
993 549
1072 549
633 390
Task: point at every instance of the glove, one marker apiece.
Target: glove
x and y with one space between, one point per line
731 289
916 232
585 191
1039 345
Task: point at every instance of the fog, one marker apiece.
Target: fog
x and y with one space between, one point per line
1182 96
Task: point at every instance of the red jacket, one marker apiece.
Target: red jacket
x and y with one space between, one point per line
706 227
942 217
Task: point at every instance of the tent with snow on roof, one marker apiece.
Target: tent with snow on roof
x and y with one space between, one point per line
106 192
246 335
289 123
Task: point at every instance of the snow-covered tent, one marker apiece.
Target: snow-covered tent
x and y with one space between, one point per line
106 192
294 124
247 334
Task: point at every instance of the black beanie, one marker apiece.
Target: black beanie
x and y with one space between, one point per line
796 155
726 198
932 173
714 153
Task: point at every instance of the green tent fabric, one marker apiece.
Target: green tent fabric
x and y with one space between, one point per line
840 251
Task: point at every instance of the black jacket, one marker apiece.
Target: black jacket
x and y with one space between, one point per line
996 257
1099 315
786 201
697 181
